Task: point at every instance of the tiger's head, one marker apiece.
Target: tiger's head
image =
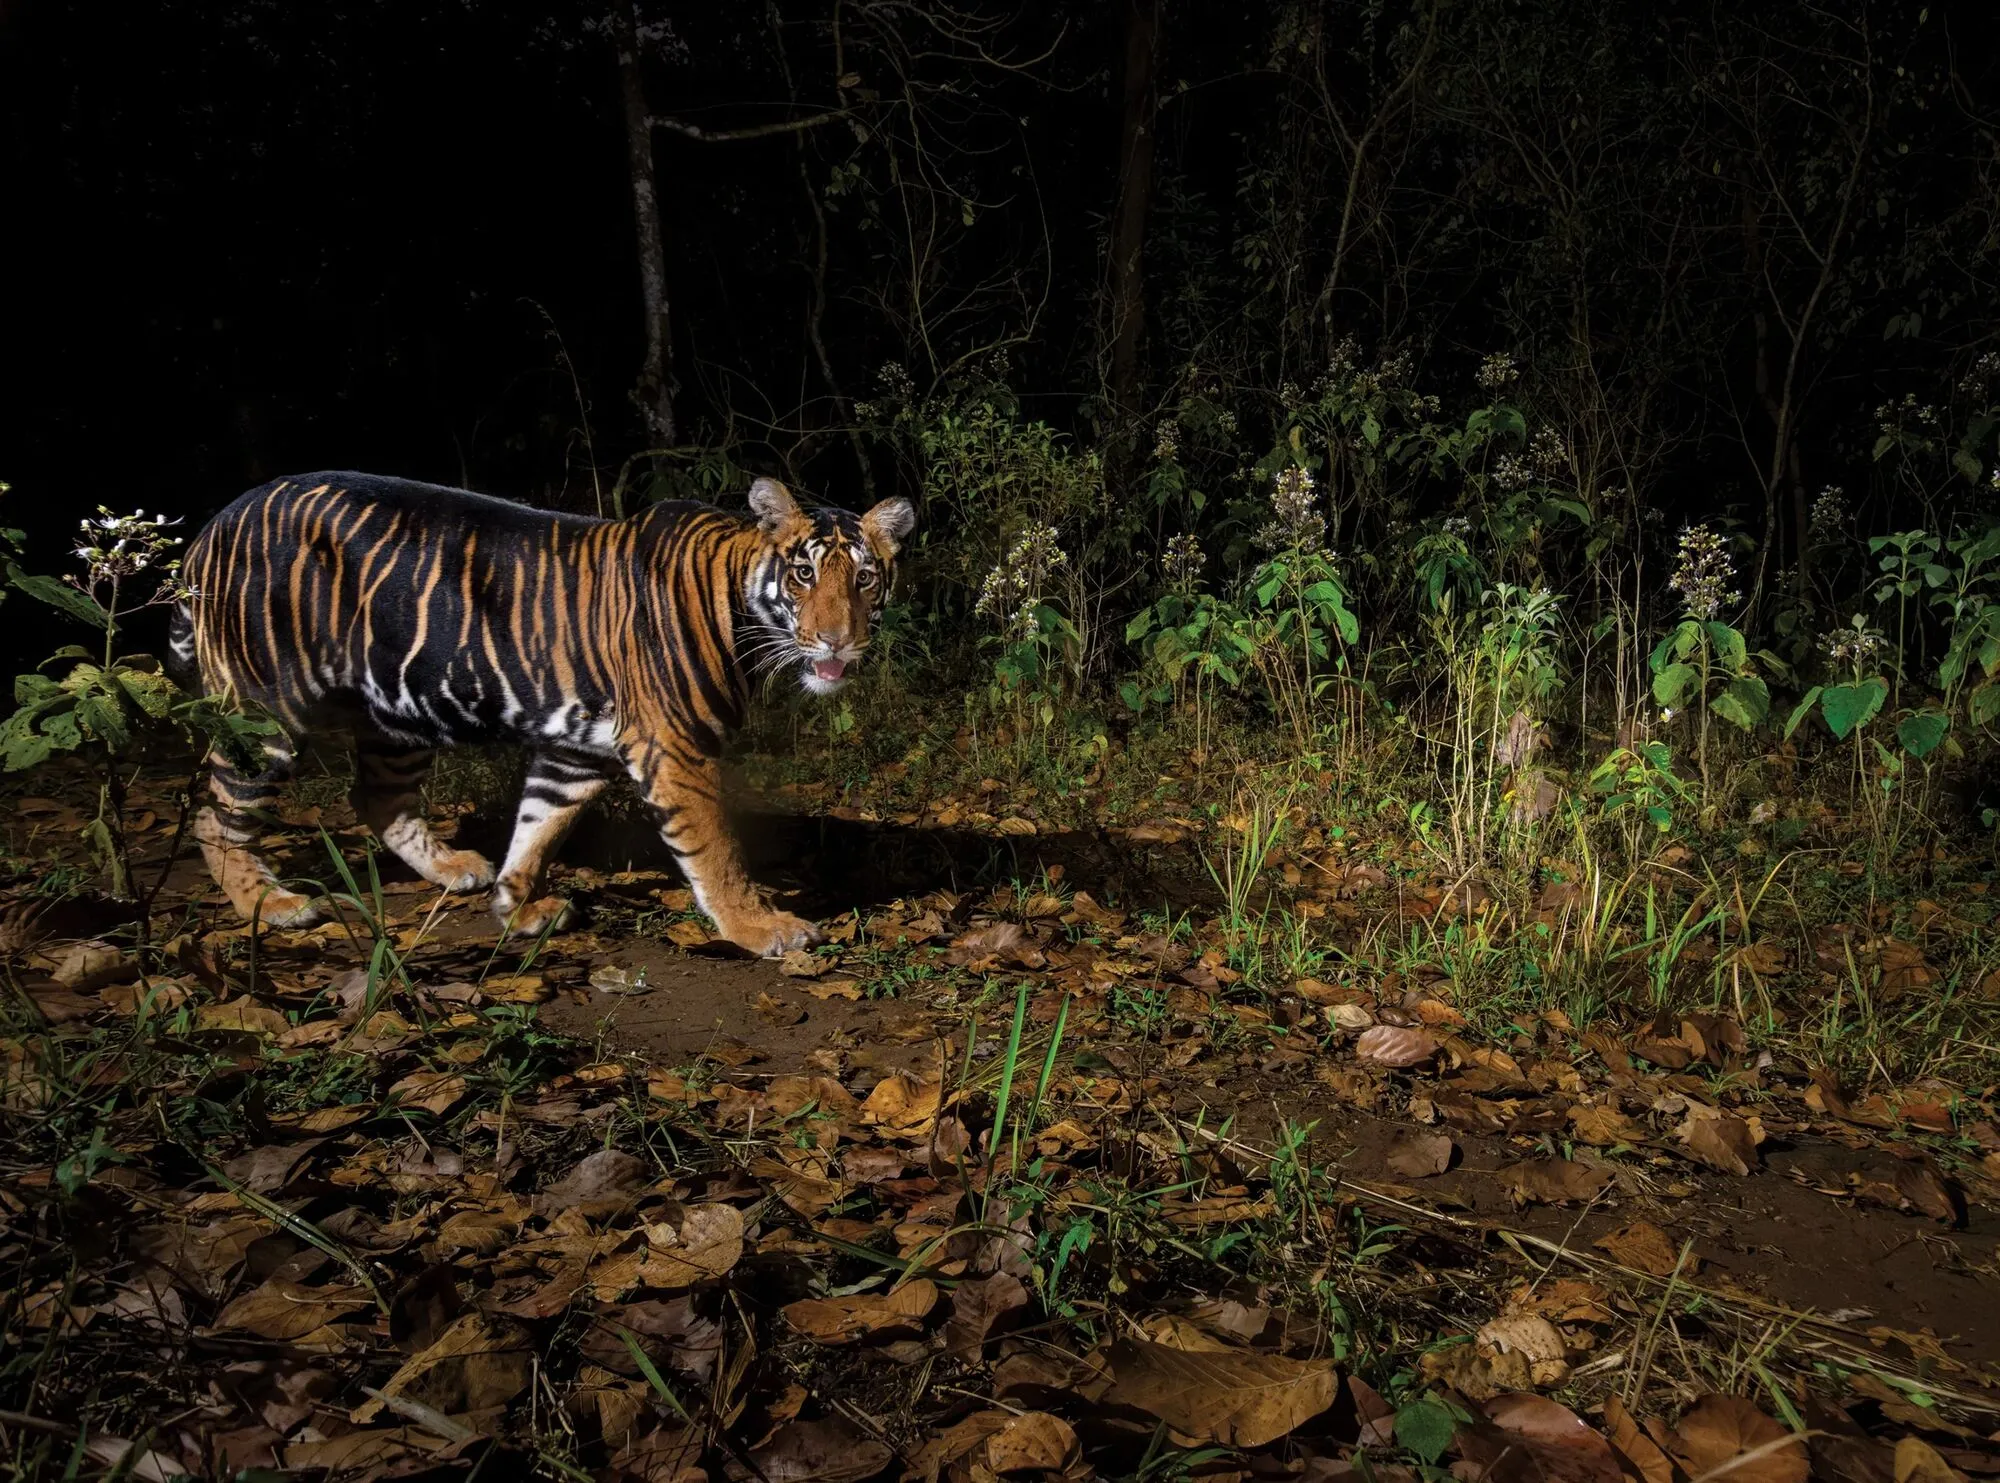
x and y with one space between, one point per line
821 582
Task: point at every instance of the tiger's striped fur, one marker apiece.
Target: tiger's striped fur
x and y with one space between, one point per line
422 617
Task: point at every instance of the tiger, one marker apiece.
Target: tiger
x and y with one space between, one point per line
420 617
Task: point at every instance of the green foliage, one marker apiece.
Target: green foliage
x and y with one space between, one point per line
105 704
1641 780
1709 663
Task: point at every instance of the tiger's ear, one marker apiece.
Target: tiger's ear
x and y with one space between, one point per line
889 522
772 504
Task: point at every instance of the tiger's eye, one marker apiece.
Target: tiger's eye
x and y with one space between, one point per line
865 578
802 574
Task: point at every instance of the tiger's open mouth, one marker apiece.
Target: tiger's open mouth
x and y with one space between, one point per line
829 670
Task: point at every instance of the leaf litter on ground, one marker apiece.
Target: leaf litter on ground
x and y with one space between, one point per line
833 1276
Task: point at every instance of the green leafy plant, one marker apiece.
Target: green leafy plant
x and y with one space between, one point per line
1703 662
1850 702
1639 782
107 702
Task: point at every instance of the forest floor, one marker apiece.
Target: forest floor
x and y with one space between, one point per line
1069 1153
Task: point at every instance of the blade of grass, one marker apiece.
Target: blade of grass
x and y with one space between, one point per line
1041 1083
1007 1070
653 1376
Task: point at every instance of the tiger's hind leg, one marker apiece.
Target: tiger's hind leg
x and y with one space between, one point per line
557 788
227 831
388 798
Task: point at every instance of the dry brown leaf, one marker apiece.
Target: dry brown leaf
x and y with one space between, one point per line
240 1017
798 963
328 1119
830 1450
1532 1437
482 1232
1644 1247
1532 1337
1763 957
781 1013
601 1184
671 1333
1396 1045
1176 1332
1718 1430
1926 1190
423 1308
1037 1443
1349 1017
976 1306
289 1310
517 988
1903 970
1415 1153
1002 944
1604 1126
1564 1300
1669 1052
1238 1399
433 1091
1718 1140
864 1315
903 1105
1553 1181
1642 1455
1220 1210
707 1243
959 1440
481 1361
1917 1461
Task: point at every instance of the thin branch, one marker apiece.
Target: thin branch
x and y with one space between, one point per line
755 131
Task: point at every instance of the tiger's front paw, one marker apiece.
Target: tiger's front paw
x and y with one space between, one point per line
461 870
283 909
771 934
533 918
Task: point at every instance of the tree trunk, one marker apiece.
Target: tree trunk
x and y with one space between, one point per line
654 393
1135 199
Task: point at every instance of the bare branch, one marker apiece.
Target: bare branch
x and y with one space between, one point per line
755 131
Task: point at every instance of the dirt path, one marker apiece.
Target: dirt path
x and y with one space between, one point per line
1785 1234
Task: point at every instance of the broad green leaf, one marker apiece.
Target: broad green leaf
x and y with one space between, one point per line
1671 683
36 689
1426 1428
1730 648
1803 709
1921 731
1983 704
62 731
1678 644
18 753
1849 706
79 605
104 720
1745 703
153 694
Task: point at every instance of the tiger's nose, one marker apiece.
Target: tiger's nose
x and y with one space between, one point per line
832 638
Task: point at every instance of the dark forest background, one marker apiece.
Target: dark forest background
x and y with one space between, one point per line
1735 254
